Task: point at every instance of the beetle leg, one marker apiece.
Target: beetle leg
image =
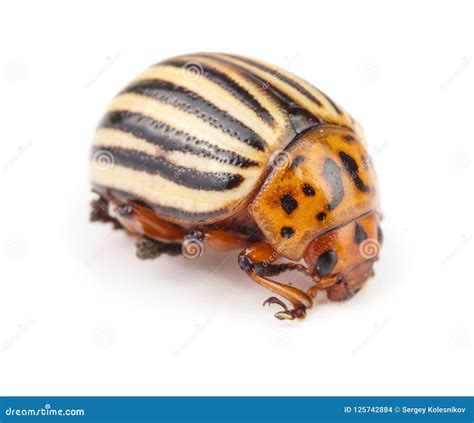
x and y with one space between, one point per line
148 248
141 220
99 213
256 262
296 297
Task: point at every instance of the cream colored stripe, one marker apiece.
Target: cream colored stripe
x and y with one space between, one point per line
213 93
183 121
313 90
160 191
327 112
282 123
328 107
109 137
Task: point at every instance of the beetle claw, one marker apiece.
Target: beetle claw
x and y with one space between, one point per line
297 313
284 315
275 300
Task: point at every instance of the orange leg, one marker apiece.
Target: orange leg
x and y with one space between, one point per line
159 235
141 220
257 261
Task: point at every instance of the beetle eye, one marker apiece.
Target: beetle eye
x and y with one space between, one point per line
325 263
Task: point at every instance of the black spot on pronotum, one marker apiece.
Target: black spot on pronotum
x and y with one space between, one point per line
321 216
288 203
379 235
287 232
349 137
360 234
296 161
308 190
325 263
332 174
351 167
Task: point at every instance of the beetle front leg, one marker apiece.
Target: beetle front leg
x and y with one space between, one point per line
257 261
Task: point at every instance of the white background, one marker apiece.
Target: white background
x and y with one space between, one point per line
80 314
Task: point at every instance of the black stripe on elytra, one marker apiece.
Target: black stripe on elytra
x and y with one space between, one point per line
162 210
332 174
292 83
190 102
170 139
360 234
300 118
283 78
185 176
351 167
331 102
227 83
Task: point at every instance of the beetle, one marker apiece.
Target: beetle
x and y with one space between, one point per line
224 152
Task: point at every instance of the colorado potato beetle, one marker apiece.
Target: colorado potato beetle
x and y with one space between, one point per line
225 152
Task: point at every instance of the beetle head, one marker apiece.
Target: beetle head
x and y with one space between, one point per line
346 254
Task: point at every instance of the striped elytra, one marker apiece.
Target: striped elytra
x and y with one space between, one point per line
193 136
222 152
